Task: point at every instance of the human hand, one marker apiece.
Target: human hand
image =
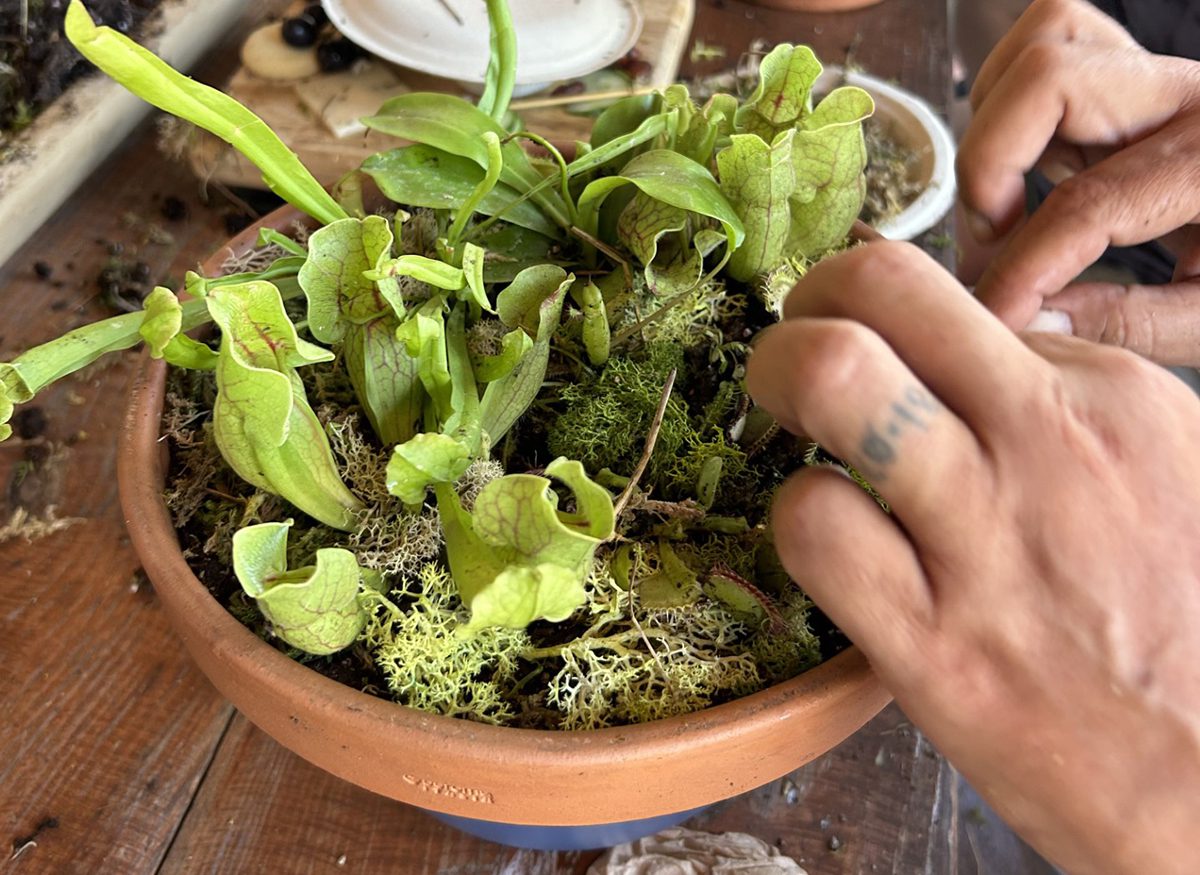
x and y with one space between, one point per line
1068 91
1033 600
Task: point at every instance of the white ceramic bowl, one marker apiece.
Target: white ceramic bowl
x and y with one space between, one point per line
914 124
556 39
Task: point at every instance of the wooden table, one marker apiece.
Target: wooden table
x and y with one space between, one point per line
117 756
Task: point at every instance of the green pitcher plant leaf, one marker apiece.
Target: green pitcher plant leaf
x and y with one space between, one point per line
759 179
156 82
537 293
385 379
422 461
502 63
315 608
464 421
424 335
829 156
783 95
514 346
455 126
473 258
38 367
334 276
262 422
516 557
347 307
162 328
495 165
673 179
597 335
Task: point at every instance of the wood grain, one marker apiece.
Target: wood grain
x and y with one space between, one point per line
107 727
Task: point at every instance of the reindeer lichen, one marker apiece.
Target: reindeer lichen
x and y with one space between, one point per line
414 637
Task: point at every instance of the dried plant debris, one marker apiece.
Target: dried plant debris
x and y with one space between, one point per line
892 182
32 528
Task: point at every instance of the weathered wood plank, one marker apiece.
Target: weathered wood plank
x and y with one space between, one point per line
107 726
261 809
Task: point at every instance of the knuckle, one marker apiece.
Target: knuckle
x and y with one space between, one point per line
1082 196
1042 61
835 359
859 271
865 266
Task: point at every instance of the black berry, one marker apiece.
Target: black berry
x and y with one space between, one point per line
337 55
300 32
316 12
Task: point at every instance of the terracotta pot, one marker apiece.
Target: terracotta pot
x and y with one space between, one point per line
465 769
814 5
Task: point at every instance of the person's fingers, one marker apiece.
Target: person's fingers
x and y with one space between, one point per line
1136 195
837 382
854 562
1050 21
1161 323
1055 96
922 312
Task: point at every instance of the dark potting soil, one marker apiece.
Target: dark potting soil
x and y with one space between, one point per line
37 63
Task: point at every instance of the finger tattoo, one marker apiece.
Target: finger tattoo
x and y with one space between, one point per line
878 447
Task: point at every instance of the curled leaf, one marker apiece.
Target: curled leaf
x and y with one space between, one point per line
162 330
262 422
514 346
516 557
316 608
673 179
472 268
423 461
786 76
334 276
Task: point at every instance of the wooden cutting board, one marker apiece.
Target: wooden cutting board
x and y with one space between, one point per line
316 117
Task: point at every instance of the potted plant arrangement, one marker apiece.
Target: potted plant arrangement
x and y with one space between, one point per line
468 503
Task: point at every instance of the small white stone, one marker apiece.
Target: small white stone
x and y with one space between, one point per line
266 55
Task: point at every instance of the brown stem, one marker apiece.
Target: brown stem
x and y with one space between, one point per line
651 440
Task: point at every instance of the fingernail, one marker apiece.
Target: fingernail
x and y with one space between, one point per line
979 226
1051 322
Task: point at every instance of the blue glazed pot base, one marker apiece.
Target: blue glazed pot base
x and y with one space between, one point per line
565 838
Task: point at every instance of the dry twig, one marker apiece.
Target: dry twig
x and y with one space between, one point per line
651 440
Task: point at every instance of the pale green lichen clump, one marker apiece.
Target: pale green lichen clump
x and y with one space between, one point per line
631 665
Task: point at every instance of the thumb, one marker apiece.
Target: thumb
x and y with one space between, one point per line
1161 323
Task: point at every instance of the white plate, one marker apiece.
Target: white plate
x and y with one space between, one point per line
916 125
556 39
